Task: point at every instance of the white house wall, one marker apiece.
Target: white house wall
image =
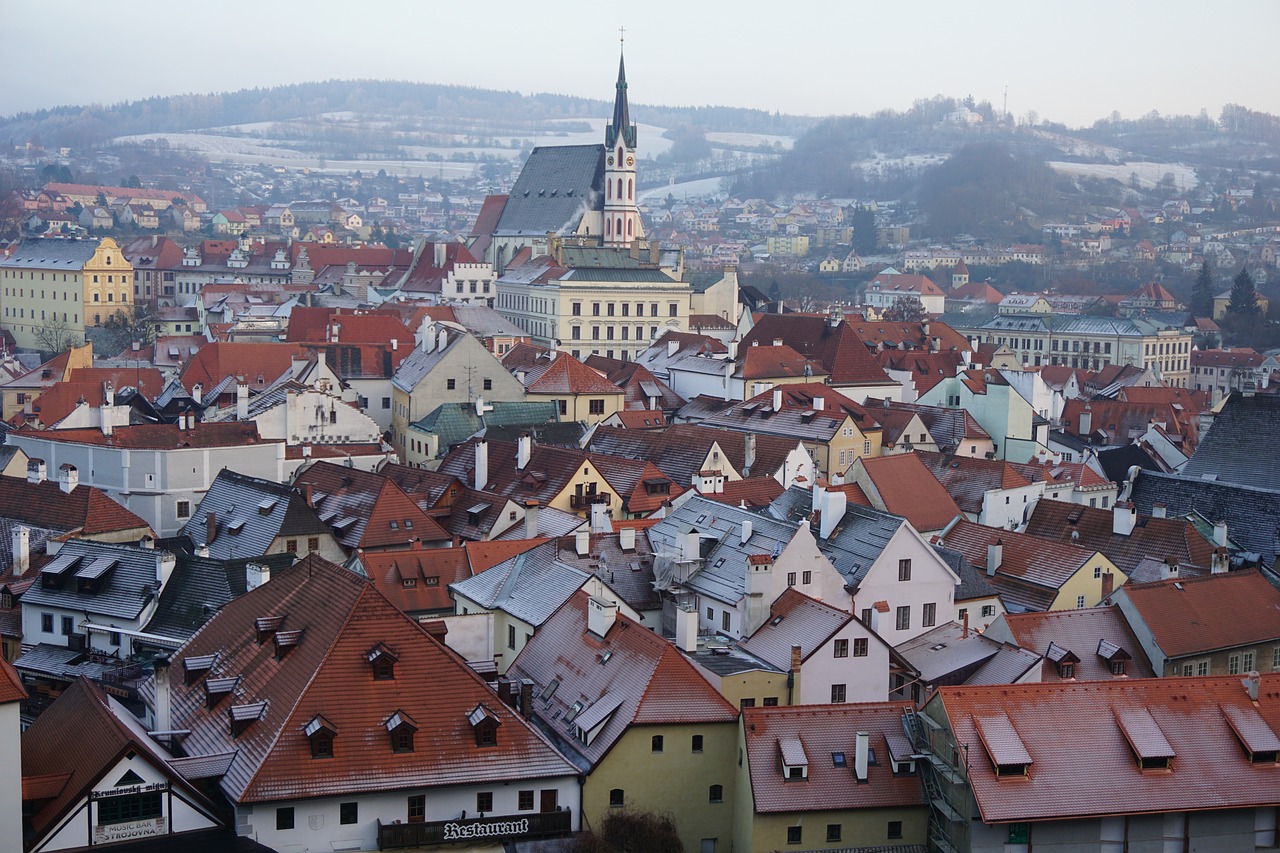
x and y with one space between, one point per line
932 582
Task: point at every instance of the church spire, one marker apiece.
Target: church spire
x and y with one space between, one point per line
621 125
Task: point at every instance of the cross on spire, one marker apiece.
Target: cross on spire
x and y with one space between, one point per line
622 35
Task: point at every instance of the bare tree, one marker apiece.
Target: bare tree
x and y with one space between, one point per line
55 335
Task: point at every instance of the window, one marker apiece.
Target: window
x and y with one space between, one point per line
655 743
291 545
1275 658
577 309
322 744
184 509
1079 602
711 614
451 384
68 626
725 620
313 543
791 578
860 647
673 309
904 570
616 798
1233 662
417 811
771 701
747 703
794 834
806 578
596 407
930 615
524 801
284 818
1202 667
488 385
46 623
904 618
511 636
895 829
129 808
1247 662
348 813
833 832
838 693
988 610
716 794
841 648
1097 572
484 801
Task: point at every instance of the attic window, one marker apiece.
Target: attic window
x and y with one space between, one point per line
1145 739
286 641
194 667
484 723
1259 741
401 728
1005 749
395 525
838 760
266 506
217 689
320 732
408 524
383 661
242 716
795 763
266 627
236 526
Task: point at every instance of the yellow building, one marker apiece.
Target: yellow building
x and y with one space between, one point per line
790 245
579 392
62 287
17 393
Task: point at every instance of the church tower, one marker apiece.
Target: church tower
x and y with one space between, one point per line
621 220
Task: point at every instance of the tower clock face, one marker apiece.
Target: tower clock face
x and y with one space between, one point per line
610 159
631 161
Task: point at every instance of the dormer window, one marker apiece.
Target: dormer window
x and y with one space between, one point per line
266 627
401 729
484 723
242 716
217 689
286 641
196 666
383 661
321 733
795 763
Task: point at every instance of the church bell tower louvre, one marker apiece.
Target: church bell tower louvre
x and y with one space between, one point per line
621 219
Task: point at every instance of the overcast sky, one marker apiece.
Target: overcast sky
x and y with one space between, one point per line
1070 62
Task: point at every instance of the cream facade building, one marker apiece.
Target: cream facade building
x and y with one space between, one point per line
73 283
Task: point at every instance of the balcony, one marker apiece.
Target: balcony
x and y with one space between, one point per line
584 501
526 826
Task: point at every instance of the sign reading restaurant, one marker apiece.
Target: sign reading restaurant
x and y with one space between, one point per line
454 831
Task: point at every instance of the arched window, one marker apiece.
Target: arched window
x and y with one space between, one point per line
628 226
619 227
630 188
619 187
619 155
716 794
608 189
608 227
616 798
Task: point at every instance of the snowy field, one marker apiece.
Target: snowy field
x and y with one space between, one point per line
749 140
701 188
1149 174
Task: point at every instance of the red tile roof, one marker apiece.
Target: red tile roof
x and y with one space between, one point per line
341 619
245 361
162 436
1235 357
367 510
11 689
967 478
776 362
315 325
838 348
87 384
754 492
909 489
416 580
1082 764
567 375
85 510
1158 538
1211 612
1080 632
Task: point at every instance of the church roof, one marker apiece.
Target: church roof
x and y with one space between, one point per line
621 115
557 185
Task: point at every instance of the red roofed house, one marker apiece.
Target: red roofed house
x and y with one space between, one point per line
339 723
367 511
828 777
835 344
581 393
890 286
650 732
1125 764
903 485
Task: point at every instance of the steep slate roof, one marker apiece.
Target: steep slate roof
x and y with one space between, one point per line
836 346
102 731
366 510
249 514
1211 612
1081 632
1250 512
724 571
857 540
973 583
529 586
628 573
638 383
419 363
822 731
416 580
1230 451
125 589
946 655
1122 422
645 679
199 586
1032 569
795 619
1151 537
341 618
948 427
909 489
86 510
1081 762
557 184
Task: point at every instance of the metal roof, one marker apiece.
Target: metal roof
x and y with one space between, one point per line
556 186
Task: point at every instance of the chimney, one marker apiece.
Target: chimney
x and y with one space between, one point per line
255 575
1251 682
21 550
104 419
777 399
210 527
797 659
443 340
749 455
197 392
582 542
746 532
1108 584
964 623
242 402
481 465
506 691
524 448
427 336
530 519
164 702
759 588
627 539
395 345
1123 518
1220 533
600 521
833 507
1221 564
860 756
202 550
1159 510
687 629
995 556
777 342
818 404
526 698
1169 569
1086 420
601 614
69 478
673 347
37 471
